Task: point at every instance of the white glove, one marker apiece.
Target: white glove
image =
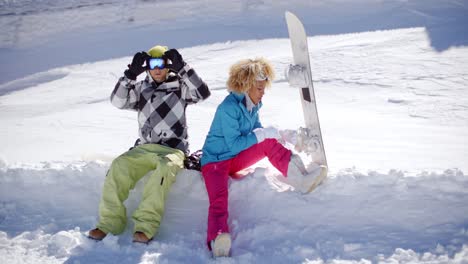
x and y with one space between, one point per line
267 132
296 76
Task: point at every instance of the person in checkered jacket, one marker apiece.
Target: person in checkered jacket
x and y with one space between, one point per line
160 101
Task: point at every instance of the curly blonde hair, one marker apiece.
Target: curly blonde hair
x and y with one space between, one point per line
243 74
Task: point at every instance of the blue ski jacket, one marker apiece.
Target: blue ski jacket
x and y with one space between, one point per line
231 130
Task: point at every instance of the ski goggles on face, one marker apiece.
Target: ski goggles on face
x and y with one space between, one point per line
154 63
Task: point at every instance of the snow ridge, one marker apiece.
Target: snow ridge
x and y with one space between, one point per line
354 216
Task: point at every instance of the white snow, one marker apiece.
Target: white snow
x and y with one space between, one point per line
391 85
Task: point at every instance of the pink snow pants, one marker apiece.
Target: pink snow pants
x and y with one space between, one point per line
216 175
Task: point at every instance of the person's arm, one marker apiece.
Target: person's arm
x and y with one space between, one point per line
194 89
126 93
258 124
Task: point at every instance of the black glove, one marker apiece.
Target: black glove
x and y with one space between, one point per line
177 63
136 67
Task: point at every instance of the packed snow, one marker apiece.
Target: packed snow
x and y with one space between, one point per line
393 105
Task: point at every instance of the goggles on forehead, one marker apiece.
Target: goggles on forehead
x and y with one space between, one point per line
261 76
154 63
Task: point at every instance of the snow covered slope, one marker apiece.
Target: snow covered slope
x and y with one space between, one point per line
386 100
394 120
392 104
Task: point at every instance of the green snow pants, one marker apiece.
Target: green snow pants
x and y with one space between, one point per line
125 171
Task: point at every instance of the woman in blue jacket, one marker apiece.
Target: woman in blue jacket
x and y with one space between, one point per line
237 140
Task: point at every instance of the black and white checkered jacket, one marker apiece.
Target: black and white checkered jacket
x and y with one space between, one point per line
161 107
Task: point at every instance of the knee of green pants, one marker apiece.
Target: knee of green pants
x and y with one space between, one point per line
148 216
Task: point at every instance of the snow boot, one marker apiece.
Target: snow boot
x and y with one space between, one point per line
221 245
302 180
140 237
314 178
97 234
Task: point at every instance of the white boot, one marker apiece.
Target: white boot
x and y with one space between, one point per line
221 245
300 179
296 171
314 178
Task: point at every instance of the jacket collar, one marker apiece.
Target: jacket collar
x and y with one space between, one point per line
169 84
249 104
242 100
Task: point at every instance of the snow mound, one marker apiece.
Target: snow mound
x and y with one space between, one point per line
358 217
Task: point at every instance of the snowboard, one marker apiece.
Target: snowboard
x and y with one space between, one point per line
312 131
